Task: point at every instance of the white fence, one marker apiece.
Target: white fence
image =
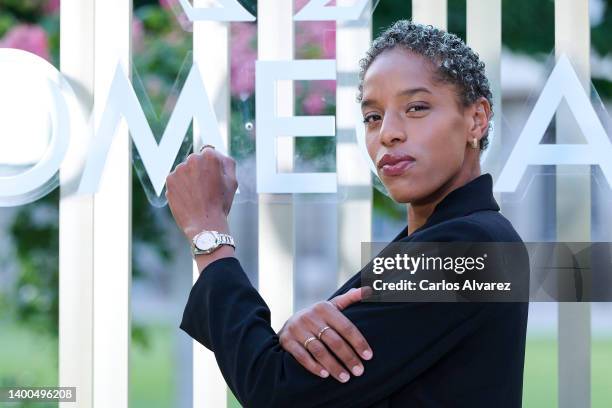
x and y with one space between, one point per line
95 253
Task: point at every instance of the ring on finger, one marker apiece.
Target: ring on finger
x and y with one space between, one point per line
308 340
205 146
322 331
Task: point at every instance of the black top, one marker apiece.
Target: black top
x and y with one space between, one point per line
425 354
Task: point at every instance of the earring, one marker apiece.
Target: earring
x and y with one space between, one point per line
475 143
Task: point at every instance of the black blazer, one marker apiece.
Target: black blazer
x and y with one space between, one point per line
425 354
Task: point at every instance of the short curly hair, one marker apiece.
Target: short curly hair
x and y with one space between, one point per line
456 63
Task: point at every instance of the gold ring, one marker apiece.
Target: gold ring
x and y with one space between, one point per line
321 331
308 340
205 146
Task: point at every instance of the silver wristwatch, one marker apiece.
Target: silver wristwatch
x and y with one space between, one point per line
207 242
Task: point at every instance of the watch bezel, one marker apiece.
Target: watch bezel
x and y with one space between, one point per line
220 239
197 250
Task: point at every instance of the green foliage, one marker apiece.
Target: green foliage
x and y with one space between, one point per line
156 20
242 128
34 299
528 27
159 72
601 33
51 24
25 11
385 206
35 232
6 22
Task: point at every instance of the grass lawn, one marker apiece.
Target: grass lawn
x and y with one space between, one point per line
540 379
30 360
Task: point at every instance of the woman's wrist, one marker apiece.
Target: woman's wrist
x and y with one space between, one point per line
217 223
224 251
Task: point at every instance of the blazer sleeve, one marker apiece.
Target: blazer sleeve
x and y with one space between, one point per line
227 315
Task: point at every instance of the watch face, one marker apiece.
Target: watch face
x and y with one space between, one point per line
205 241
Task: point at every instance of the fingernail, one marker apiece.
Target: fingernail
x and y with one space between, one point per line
357 370
344 377
367 354
324 374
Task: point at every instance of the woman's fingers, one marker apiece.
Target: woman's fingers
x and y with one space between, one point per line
354 295
337 344
344 326
322 354
343 351
305 359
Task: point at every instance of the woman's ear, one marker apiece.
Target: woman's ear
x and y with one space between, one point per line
480 113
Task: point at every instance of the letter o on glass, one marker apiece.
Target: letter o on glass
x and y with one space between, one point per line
20 72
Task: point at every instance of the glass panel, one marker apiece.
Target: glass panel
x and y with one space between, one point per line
160 354
28 233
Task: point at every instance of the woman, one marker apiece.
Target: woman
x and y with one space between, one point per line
426 106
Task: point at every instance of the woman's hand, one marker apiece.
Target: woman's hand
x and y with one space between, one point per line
342 337
201 190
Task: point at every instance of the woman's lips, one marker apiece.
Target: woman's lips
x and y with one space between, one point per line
397 168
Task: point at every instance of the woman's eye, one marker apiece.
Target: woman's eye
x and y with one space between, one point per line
370 118
417 108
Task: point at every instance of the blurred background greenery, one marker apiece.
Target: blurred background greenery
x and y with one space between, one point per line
161 56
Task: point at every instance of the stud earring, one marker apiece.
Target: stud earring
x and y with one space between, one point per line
475 143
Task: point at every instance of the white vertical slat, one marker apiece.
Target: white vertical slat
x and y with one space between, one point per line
276 244
573 195
76 214
353 39
432 12
484 36
211 53
112 219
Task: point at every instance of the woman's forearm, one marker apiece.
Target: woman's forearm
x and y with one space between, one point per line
226 314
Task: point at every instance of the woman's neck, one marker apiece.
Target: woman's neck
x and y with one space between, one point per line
418 215
419 212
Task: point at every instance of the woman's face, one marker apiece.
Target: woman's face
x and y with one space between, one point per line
417 121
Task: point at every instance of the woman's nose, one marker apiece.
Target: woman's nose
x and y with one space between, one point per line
391 130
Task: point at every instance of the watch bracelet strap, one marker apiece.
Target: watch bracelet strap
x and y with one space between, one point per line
223 239
226 239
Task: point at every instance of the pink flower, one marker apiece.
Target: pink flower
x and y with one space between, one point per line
329 43
137 34
175 7
27 37
52 6
298 4
314 103
243 83
317 36
242 36
326 86
167 4
243 74
243 56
